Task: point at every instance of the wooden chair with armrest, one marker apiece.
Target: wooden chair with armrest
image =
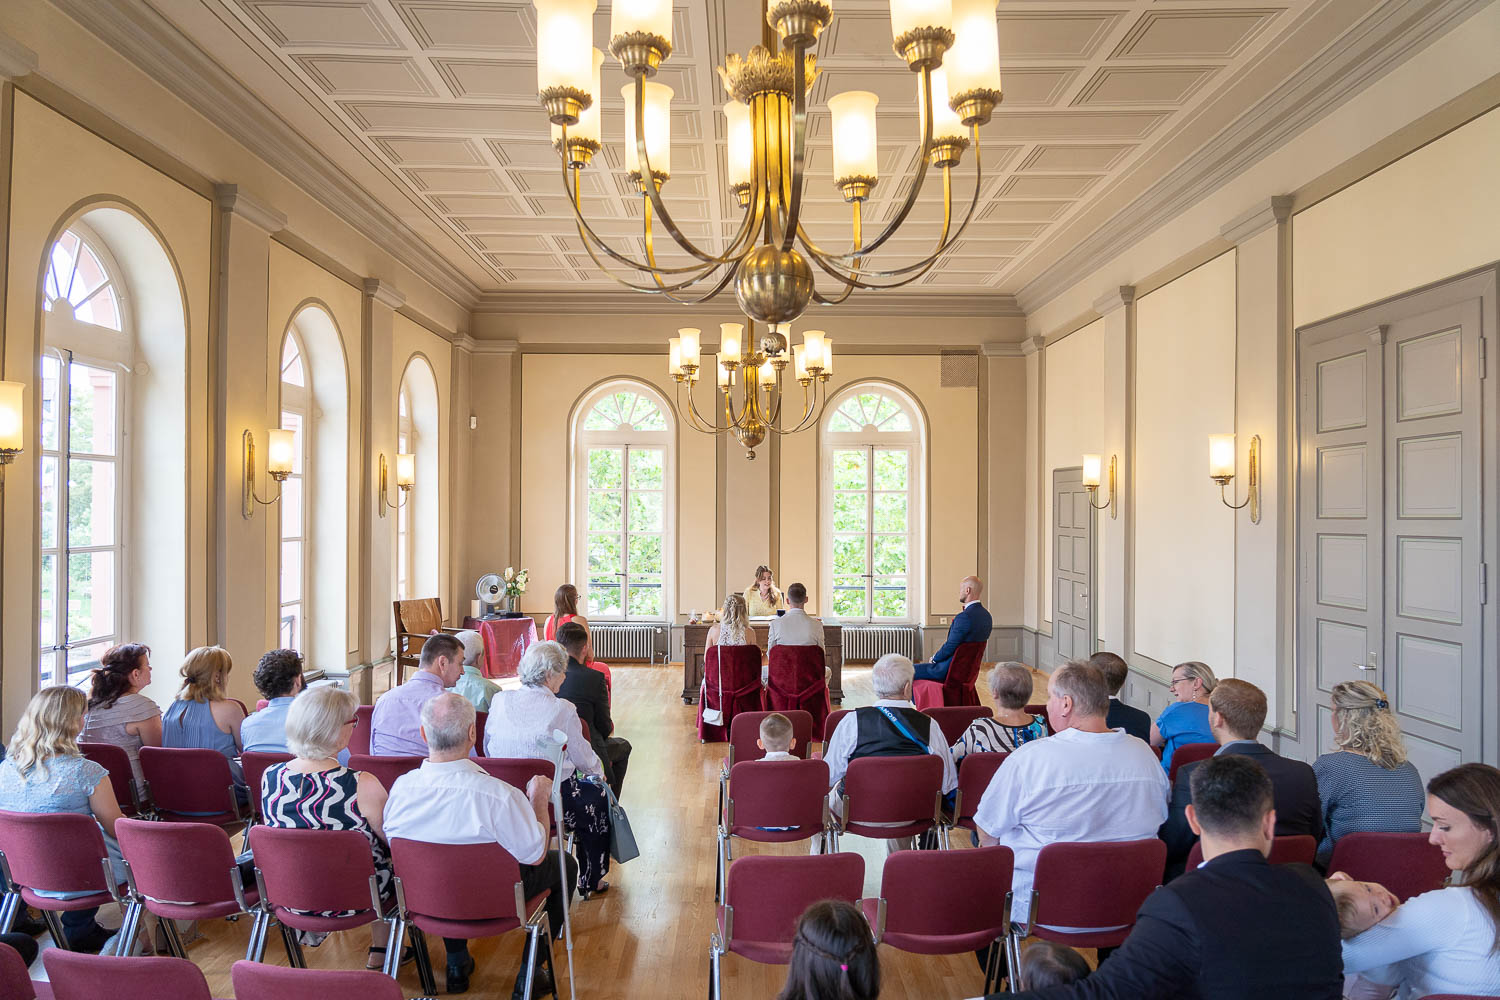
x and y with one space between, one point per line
416 619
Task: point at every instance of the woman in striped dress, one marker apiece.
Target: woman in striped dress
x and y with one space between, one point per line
1012 725
315 792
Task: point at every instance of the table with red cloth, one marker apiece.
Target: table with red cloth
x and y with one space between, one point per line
505 640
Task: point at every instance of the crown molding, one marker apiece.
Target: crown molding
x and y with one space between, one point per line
997 349
1115 298
16 60
504 347
156 47
1394 31
1256 220
1031 345
613 303
237 201
385 293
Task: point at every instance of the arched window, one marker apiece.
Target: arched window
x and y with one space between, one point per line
295 499
872 504
88 353
405 442
418 527
624 469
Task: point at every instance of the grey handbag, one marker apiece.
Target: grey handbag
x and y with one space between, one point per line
622 846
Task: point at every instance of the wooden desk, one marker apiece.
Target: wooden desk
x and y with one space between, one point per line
694 637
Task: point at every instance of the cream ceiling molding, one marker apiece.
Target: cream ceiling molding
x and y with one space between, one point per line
16 60
1115 298
636 304
1001 349
1257 219
469 344
1031 345
385 293
236 200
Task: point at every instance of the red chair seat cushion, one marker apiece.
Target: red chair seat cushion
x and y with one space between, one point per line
200 911
313 922
64 905
470 929
764 836
764 952
1088 939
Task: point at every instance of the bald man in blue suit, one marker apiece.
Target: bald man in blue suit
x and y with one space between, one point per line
973 624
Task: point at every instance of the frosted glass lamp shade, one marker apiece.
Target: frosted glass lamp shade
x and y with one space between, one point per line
827 355
651 16
564 57
731 336
674 356
687 339
973 62
12 416
406 471
741 152
1091 465
658 122
726 377
280 451
812 350
854 138
909 14
799 362
1221 456
767 373
945 123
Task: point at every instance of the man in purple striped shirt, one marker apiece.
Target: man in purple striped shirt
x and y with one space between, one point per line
396 725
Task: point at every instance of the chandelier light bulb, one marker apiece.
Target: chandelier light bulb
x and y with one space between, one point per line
563 53
658 121
654 17
674 356
908 15
854 137
767 374
730 338
973 63
812 353
741 152
827 355
12 416
726 377
945 123
799 362
687 339
1221 456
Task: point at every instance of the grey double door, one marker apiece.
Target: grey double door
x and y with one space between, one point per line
1392 581
1072 566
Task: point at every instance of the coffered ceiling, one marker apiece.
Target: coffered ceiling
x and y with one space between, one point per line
434 109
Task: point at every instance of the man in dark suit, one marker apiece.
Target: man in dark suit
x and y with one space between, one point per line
1121 716
1236 711
1239 928
585 688
972 624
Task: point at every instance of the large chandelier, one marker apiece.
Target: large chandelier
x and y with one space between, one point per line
770 260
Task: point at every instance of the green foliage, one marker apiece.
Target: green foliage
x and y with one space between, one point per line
606 468
604 510
891 468
849 511
890 512
849 600
645 600
850 469
889 553
604 599
646 512
890 598
848 555
604 554
645 555
647 468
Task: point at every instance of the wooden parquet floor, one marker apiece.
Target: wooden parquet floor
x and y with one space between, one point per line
648 936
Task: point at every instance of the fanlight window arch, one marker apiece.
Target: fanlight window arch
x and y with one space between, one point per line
77 275
873 505
624 463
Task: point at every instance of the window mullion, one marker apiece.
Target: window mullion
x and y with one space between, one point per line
625 533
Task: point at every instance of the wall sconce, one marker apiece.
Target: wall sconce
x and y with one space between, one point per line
280 450
1221 470
406 478
12 424
1091 469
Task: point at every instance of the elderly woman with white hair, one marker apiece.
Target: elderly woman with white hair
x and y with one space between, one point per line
521 724
314 791
472 684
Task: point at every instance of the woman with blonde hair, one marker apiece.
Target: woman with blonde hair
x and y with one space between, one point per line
203 715
44 772
1367 785
762 599
733 626
1185 720
565 609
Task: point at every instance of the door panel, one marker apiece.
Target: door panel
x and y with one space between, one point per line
1073 566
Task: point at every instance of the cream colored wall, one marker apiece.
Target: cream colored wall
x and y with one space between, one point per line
412 341
1430 215
1073 425
1184 537
483 482
1004 584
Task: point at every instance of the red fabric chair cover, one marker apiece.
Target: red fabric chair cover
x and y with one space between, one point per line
254 764
958 687
766 895
832 723
56 852
954 720
184 871
460 890
328 871
77 976
975 772
745 730
902 790
1188 753
185 781
116 761
797 681
1405 863
359 740
741 690
943 902
776 793
385 769
15 981
257 981
1095 885
1299 849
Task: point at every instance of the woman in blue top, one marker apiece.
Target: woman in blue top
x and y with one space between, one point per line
1186 719
203 716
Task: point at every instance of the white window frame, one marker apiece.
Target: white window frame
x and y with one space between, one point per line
406 444
914 442
583 441
297 400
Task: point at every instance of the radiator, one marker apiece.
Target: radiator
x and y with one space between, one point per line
629 642
870 642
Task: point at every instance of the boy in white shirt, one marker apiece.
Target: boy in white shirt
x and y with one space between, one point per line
776 738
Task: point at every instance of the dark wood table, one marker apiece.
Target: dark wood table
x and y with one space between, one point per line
694 637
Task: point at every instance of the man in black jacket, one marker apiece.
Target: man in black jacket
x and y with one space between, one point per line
1236 711
1238 928
585 688
1121 716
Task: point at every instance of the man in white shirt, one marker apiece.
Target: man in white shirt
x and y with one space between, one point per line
880 730
796 627
452 800
1088 783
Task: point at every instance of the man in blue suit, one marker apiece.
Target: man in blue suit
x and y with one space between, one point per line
973 624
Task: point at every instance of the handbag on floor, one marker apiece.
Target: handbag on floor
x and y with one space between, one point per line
622 846
714 716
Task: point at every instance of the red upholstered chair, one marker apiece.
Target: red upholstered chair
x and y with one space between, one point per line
1092 885
945 903
465 891
957 688
1040 711
254 763
797 681
180 871
1405 863
480 718
359 740
975 772
731 683
906 791
192 785
385 769
254 981
299 873
829 725
745 730
54 852
764 897
518 772
954 720
773 802
1299 849
114 759
1189 753
15 980
90 977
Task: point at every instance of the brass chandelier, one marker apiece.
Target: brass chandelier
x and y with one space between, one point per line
770 260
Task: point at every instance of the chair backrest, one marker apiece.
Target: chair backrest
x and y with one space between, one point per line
893 789
517 772
80 976
767 894
480 718
1292 849
188 779
259 981
776 793
359 740
1405 863
116 761
1040 711
1098 884
254 764
179 862
975 772
948 893
15 980
744 730
58 852
953 720
385 769
832 723
314 870
792 668
741 665
457 881
963 668
418 616
1189 753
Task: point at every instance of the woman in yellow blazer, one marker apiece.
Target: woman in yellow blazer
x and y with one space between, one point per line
761 597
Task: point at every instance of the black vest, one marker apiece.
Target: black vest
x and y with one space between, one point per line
877 737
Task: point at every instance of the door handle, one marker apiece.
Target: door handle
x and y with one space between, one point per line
1363 666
